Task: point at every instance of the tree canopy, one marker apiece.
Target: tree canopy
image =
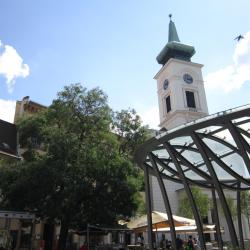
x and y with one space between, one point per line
201 200
245 204
77 165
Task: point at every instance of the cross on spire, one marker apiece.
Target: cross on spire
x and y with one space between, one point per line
174 48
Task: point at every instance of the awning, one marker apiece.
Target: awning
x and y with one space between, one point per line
159 220
189 229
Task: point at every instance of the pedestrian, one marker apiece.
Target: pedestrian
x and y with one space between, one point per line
190 243
168 244
198 244
179 243
163 242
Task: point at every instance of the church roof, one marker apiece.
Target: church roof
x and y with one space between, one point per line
174 48
172 32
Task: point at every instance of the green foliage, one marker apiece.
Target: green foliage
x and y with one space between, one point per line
245 203
128 126
231 204
201 200
230 247
30 131
25 184
75 169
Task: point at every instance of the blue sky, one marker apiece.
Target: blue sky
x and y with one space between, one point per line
113 44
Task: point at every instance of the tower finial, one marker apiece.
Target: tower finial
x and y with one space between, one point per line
174 48
172 32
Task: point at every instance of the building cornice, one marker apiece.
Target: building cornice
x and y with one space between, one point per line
177 61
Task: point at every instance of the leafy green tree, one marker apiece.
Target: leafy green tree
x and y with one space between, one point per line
127 125
231 202
245 205
201 200
232 206
74 170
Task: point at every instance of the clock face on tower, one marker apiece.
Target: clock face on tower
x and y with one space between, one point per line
188 78
165 84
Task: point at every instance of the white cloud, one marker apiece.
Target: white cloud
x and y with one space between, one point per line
235 75
7 110
150 117
11 65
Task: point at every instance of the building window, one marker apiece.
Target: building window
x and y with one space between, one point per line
168 104
190 99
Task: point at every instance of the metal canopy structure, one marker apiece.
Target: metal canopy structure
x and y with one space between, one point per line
211 152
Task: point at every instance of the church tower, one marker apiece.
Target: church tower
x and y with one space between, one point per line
181 98
180 87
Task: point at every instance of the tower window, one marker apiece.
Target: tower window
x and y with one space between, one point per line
168 104
190 99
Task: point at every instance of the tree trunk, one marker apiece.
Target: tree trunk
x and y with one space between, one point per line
63 236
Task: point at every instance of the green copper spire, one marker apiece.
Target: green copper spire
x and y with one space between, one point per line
172 33
174 48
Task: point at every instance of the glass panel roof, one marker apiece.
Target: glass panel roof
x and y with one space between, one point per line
203 119
166 172
216 147
217 139
226 136
208 130
245 126
246 138
171 164
204 169
221 173
192 175
192 157
241 119
235 162
161 153
183 140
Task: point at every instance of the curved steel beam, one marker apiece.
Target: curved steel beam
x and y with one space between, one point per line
241 143
220 140
217 220
163 176
176 173
242 122
244 132
203 163
149 208
190 196
195 182
165 200
242 245
223 165
188 164
201 145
